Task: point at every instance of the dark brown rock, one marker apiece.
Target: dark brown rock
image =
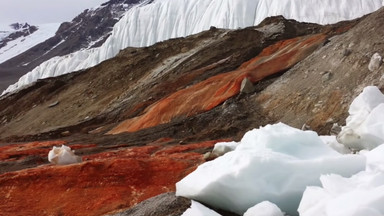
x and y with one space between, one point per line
162 205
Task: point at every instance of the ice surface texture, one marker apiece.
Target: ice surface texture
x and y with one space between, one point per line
273 163
360 195
365 124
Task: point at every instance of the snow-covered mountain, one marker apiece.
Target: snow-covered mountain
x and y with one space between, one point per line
89 29
19 37
146 24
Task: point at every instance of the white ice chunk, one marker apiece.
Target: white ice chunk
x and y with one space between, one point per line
360 195
198 209
63 155
273 163
365 124
332 142
375 159
223 147
265 208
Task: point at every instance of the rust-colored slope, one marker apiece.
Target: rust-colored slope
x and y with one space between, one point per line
208 94
105 182
21 151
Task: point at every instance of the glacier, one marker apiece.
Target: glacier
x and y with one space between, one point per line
146 24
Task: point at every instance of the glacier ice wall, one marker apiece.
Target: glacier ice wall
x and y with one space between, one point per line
147 24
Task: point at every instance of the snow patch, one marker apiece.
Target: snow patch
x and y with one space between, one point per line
22 44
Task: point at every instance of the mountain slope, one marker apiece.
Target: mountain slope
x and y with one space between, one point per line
120 170
88 30
16 42
22 37
143 26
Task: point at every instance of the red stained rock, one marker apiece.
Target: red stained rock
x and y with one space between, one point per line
20 151
209 93
106 182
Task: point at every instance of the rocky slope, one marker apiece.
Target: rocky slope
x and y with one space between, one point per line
141 26
88 30
143 120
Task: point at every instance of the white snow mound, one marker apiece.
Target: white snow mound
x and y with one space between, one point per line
273 163
147 24
63 155
360 195
198 209
265 208
365 124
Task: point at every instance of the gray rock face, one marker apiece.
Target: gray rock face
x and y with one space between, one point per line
166 204
375 62
246 86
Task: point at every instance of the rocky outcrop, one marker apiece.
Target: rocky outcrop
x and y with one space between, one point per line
161 205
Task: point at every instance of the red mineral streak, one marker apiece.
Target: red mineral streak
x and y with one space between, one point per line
210 93
104 182
20 151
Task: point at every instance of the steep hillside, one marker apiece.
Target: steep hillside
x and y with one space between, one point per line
16 39
144 119
88 30
161 20
126 85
